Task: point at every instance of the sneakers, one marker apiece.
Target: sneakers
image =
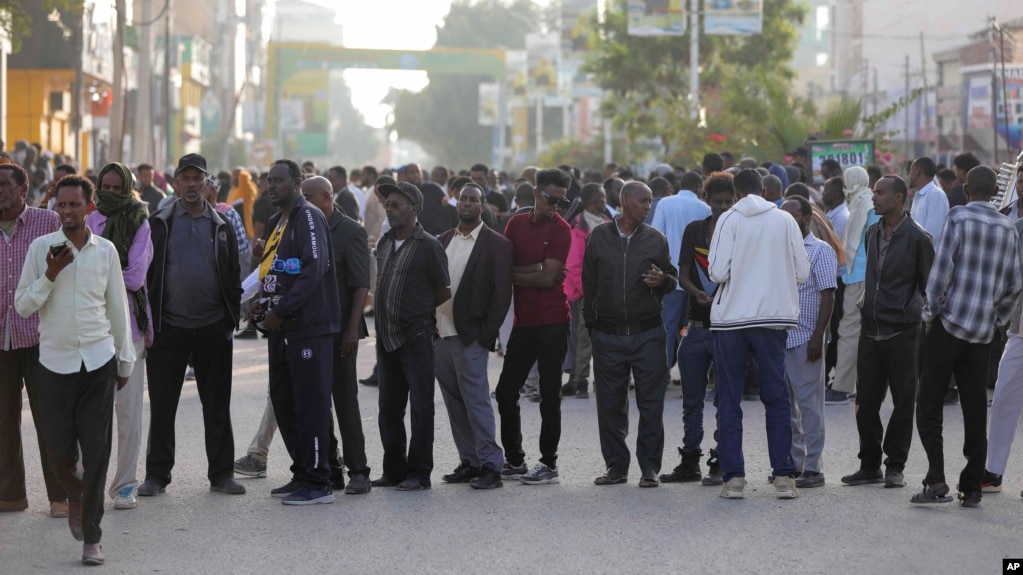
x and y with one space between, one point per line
649 480
810 479
284 490
832 397
509 470
488 478
863 477
734 488
127 498
250 466
894 478
307 496
611 477
462 474
970 498
358 484
937 493
58 509
540 474
714 475
991 483
686 471
785 487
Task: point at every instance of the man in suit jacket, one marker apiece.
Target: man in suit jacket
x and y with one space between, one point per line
480 267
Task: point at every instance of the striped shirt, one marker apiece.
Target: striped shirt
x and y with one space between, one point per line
18 332
977 273
823 276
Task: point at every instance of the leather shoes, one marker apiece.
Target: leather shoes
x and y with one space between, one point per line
462 474
611 478
371 381
229 486
74 520
358 484
58 509
92 554
384 481
15 505
151 487
413 484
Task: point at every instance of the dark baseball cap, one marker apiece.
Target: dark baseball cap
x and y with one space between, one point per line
191 161
410 191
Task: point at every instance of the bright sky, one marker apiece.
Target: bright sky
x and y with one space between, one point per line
410 25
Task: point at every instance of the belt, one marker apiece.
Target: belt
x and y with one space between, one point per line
699 324
630 328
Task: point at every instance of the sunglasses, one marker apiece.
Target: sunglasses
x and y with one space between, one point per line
562 203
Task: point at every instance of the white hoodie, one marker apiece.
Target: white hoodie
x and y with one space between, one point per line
757 256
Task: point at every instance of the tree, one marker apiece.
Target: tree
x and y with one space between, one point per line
648 81
17 22
442 117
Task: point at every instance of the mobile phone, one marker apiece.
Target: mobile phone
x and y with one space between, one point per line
55 249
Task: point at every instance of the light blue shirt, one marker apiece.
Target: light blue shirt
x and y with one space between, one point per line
929 209
856 271
673 214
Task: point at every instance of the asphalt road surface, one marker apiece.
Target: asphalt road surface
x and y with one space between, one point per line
572 527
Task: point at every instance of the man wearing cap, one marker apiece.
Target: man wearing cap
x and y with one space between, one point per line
412 280
195 294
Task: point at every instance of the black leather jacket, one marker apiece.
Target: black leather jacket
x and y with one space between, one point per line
893 294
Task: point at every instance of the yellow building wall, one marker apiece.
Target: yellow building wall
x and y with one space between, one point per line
28 109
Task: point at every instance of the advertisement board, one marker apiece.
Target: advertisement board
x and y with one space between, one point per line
656 18
847 153
733 17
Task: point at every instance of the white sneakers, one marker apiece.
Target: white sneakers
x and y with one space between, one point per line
784 487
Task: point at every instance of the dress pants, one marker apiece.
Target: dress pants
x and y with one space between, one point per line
885 365
806 396
407 379
831 350
616 357
260 446
77 411
211 349
18 366
301 378
128 410
544 345
462 375
1007 405
943 356
349 418
848 339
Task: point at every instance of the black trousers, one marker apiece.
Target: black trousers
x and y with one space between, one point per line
211 349
407 378
78 412
943 356
546 346
831 352
345 391
615 358
17 367
882 366
301 376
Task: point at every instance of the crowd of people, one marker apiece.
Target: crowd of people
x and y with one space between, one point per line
748 275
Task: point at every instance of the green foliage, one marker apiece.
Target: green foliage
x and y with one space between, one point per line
575 152
17 23
442 118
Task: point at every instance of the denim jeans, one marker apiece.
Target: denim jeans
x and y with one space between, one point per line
695 355
731 349
675 313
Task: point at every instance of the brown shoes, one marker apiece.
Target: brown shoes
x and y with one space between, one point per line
74 520
15 505
58 509
92 554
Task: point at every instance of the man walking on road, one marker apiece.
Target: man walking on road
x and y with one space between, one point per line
73 279
627 271
479 264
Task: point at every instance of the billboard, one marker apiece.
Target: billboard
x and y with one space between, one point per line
733 17
1008 103
656 18
847 153
543 59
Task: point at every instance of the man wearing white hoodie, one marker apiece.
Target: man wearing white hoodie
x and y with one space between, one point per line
755 245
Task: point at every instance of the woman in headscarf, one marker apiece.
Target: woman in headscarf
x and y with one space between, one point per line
122 218
247 192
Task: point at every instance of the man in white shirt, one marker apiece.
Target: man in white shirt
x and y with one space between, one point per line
72 278
930 204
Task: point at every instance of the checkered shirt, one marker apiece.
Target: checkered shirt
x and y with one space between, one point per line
823 273
17 332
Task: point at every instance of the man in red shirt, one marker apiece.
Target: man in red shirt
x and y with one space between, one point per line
541 239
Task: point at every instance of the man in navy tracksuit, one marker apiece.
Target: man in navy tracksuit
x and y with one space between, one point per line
303 314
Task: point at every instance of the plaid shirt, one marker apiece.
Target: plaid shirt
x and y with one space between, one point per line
17 332
235 220
977 273
823 276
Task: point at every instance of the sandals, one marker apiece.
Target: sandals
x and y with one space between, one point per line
937 493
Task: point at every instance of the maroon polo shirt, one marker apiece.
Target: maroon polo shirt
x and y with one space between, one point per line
533 243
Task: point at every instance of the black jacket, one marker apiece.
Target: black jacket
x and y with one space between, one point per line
226 248
483 296
615 299
893 296
307 302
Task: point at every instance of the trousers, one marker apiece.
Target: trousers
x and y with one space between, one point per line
462 376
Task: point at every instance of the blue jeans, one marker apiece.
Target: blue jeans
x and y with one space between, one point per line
695 355
731 350
675 312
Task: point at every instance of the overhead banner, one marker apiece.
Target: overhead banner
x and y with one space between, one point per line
543 55
733 17
657 18
517 76
489 101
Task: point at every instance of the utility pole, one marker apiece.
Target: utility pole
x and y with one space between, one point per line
905 133
923 73
142 132
994 86
117 105
694 60
168 119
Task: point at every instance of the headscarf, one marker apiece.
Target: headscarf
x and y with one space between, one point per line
246 191
858 198
781 174
125 214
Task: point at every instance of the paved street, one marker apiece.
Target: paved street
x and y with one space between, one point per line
574 527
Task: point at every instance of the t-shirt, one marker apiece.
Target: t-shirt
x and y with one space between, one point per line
694 252
532 243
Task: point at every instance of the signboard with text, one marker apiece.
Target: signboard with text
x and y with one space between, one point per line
847 153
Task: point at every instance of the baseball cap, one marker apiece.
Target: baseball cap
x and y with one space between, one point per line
410 191
191 161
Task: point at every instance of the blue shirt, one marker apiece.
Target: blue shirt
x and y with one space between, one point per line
856 271
676 212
